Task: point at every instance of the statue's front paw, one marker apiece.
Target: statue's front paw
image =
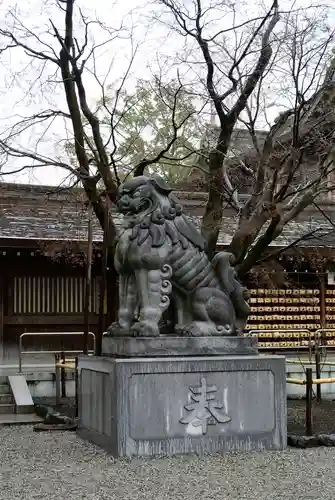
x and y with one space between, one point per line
117 330
192 331
142 329
181 330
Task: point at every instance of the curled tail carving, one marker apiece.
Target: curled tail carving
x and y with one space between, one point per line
238 294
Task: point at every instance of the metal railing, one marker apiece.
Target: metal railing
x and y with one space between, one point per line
51 351
280 332
319 335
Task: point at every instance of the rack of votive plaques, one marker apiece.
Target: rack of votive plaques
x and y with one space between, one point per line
278 314
328 336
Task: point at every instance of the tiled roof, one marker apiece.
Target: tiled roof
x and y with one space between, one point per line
32 213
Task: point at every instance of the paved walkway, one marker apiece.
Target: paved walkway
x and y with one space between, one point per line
60 466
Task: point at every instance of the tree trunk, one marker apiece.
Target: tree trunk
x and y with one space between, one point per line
212 219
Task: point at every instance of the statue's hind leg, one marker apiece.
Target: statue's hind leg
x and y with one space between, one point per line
212 314
183 310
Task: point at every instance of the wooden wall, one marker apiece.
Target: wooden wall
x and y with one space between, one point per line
38 294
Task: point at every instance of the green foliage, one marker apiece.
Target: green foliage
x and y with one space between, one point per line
144 125
138 126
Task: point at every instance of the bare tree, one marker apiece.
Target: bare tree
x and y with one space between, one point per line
69 54
244 62
294 167
283 53
193 24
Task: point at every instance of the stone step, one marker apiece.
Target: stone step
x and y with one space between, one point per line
4 389
7 409
6 399
13 419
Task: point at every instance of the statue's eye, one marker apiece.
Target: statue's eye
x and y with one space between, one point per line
136 194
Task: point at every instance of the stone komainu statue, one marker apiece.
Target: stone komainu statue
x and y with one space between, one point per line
161 255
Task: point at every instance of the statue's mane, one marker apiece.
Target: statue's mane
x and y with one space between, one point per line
167 220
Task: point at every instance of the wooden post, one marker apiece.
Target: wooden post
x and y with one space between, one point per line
88 280
309 393
76 374
318 370
63 376
58 382
103 280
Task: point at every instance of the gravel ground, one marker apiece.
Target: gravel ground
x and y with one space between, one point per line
62 466
322 417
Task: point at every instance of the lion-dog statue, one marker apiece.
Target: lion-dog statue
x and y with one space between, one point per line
160 255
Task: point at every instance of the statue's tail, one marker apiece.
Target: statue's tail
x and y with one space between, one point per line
236 291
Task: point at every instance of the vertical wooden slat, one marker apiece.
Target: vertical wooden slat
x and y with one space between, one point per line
72 294
58 297
50 294
31 294
65 294
47 294
29 298
68 281
25 284
62 294
77 294
42 292
23 294
15 305
54 294
37 289
82 295
36 294
20 295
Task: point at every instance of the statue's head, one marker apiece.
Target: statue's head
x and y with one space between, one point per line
142 195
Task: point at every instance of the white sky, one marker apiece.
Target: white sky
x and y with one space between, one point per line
23 94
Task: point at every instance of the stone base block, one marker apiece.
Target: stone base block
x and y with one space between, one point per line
179 405
169 345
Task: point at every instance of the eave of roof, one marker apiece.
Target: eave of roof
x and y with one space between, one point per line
31 213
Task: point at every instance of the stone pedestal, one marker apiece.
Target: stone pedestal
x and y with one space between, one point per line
166 405
167 345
